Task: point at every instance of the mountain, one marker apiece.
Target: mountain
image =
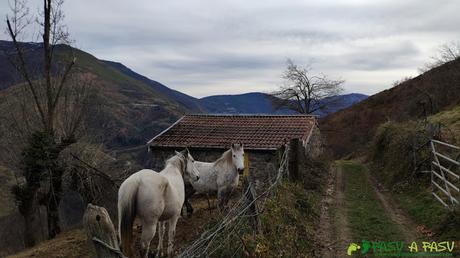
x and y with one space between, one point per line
249 103
336 103
187 101
8 74
130 108
261 103
435 90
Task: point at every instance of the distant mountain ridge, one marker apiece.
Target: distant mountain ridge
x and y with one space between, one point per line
261 103
246 103
135 108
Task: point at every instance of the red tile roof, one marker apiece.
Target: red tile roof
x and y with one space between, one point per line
220 131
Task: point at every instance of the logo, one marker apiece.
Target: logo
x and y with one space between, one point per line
352 248
399 249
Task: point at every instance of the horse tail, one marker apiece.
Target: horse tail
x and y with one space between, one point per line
127 207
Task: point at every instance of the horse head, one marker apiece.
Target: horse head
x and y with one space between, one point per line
238 156
189 169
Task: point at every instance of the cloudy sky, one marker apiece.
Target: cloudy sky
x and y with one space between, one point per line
207 47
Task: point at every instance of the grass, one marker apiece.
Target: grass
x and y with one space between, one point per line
450 120
71 243
366 217
420 206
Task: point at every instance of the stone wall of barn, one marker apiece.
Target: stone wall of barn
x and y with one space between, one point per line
315 145
302 156
263 167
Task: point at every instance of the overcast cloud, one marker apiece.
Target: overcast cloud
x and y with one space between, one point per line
204 47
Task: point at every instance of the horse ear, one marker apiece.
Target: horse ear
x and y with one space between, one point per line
233 146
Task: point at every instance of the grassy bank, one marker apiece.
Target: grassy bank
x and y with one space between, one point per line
289 222
391 158
288 219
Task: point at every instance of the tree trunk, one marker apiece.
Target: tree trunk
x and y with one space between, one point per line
29 230
54 198
54 227
100 230
33 229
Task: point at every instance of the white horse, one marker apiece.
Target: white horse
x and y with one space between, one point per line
154 197
220 176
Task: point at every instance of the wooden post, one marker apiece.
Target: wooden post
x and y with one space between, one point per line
293 165
99 228
253 211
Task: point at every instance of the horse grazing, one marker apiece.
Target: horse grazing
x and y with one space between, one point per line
154 197
220 176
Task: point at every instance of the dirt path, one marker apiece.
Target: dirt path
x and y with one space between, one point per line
406 225
341 227
333 233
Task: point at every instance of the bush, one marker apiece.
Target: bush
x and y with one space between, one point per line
288 223
398 151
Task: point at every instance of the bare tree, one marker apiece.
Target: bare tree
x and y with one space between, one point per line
306 93
401 81
445 53
51 103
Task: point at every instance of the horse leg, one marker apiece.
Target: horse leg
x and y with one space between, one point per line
161 231
222 196
209 204
189 191
171 233
148 232
228 196
189 207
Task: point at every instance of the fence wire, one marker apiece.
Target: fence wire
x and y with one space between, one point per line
222 233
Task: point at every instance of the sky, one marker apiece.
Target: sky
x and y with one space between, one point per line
209 47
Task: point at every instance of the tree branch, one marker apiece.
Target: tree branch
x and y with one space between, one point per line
23 70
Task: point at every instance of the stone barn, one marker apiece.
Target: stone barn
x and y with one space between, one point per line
263 136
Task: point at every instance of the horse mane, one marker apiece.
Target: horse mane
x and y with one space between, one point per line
176 161
226 157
